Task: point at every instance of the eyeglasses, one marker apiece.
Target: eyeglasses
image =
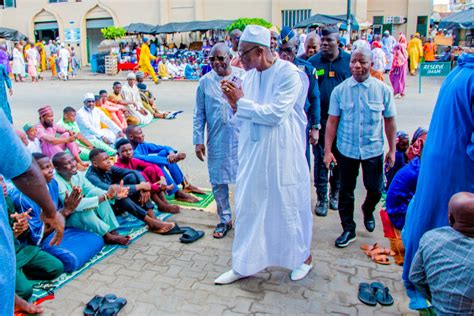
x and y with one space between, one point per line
242 54
219 58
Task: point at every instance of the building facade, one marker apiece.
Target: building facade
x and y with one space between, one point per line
79 22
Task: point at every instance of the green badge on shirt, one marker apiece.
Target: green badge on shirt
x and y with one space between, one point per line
320 72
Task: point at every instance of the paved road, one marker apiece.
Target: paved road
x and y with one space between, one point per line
158 274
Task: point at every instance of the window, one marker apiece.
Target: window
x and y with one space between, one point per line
378 20
8 3
292 17
56 1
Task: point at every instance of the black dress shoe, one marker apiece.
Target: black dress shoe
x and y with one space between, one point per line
321 208
345 239
334 202
369 223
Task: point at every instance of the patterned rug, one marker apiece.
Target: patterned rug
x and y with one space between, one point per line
206 202
129 225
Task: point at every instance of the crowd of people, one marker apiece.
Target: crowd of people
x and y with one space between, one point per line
267 101
29 59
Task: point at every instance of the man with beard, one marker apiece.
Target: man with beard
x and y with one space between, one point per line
94 213
332 68
50 143
360 108
214 112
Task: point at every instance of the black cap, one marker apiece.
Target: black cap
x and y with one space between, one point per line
329 30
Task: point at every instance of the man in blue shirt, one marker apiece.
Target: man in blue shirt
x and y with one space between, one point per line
16 164
332 68
359 109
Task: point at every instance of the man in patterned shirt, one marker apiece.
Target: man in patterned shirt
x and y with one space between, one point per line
359 108
443 267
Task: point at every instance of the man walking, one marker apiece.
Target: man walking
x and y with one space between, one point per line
273 225
214 113
332 68
358 111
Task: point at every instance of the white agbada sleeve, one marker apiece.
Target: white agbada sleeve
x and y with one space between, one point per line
281 105
86 126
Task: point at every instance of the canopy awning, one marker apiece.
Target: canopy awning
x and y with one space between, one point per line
178 27
325 19
143 28
463 19
11 34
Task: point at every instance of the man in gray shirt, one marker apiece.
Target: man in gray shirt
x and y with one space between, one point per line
443 267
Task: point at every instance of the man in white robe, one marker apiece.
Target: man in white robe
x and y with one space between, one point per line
64 57
131 93
89 119
273 225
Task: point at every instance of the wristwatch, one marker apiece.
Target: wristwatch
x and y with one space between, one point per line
316 126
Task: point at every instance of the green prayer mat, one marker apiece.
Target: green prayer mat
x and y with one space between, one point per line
129 225
205 201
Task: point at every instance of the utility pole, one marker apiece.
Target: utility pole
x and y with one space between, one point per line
348 18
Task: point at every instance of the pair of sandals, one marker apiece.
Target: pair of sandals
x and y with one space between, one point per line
373 293
108 305
189 234
222 229
378 254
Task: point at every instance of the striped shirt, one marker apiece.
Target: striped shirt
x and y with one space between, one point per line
443 271
214 115
361 108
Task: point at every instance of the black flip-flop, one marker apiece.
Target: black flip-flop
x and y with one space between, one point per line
366 294
111 305
176 230
382 294
93 306
191 235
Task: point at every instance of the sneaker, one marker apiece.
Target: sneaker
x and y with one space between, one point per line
345 239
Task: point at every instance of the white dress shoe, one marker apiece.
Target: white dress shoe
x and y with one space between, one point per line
301 272
228 277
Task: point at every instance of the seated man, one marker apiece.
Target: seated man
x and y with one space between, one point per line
173 68
69 121
71 254
50 143
116 98
89 120
443 267
148 100
32 263
94 213
166 158
163 69
152 173
113 110
131 94
34 145
103 175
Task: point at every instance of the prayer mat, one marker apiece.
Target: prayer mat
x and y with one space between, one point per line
206 202
129 225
